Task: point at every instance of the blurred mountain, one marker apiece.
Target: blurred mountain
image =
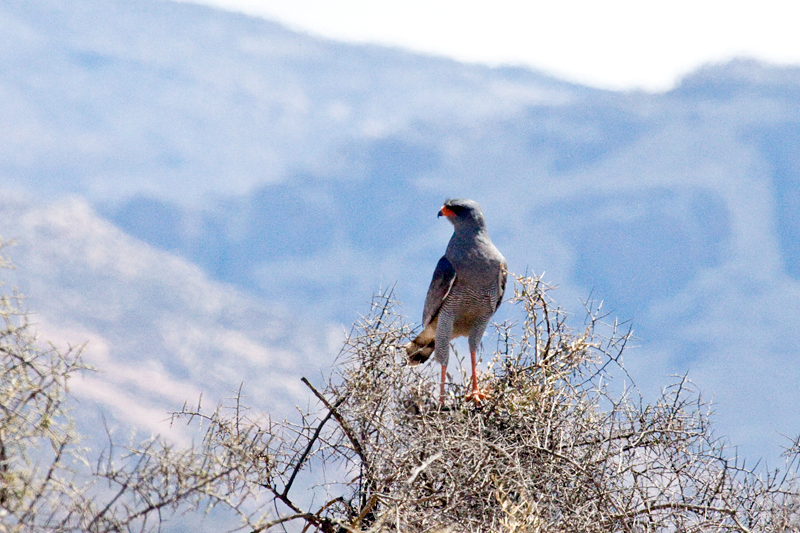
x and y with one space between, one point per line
307 174
158 331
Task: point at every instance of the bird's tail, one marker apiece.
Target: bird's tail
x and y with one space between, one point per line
419 350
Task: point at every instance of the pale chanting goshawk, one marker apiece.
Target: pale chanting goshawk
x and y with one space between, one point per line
466 290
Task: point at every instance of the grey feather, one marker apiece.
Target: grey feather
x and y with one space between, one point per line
443 278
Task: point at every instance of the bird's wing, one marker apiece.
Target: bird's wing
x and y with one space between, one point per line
443 279
502 277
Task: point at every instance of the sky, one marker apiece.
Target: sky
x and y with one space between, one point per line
613 44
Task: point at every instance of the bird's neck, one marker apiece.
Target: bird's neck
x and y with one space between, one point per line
470 233
466 239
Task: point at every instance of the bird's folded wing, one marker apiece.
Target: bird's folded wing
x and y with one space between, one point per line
443 279
502 280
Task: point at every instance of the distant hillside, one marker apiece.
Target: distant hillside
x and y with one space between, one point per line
159 332
307 173
181 101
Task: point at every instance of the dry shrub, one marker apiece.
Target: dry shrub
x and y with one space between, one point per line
551 450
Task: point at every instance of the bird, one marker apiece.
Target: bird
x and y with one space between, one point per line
466 290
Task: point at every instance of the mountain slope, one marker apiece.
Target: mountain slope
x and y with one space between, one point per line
159 332
140 93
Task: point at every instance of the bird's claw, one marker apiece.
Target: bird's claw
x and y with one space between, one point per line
477 396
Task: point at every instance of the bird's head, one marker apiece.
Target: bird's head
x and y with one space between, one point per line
463 213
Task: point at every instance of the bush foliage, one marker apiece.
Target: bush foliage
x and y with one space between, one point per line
553 448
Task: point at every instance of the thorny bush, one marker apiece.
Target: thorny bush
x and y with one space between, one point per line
550 450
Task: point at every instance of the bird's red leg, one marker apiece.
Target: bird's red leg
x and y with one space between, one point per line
476 395
441 385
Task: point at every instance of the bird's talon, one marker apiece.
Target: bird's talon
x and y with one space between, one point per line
477 396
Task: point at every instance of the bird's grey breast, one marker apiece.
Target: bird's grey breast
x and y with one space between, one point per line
476 260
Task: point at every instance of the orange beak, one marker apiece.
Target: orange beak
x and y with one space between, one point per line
446 211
